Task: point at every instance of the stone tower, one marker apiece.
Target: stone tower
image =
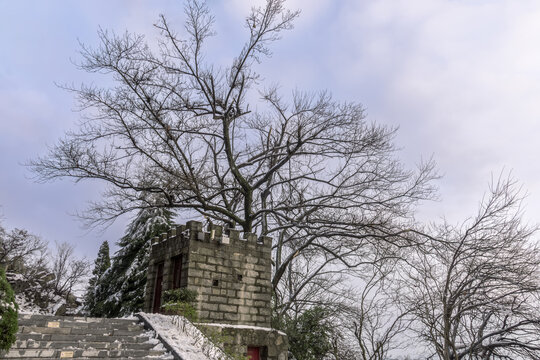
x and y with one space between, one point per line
231 274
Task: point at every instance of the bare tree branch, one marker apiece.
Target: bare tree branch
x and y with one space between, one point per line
176 131
475 294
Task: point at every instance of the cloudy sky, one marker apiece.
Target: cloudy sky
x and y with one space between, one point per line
461 80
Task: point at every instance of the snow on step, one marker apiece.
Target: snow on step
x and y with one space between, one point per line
47 336
183 337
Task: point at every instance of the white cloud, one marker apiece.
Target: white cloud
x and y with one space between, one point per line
461 79
311 10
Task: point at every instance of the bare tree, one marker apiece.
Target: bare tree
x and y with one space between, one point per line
475 291
68 270
19 248
311 280
377 323
177 131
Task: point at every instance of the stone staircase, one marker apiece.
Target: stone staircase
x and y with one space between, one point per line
53 337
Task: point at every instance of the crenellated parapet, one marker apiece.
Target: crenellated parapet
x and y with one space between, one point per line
194 230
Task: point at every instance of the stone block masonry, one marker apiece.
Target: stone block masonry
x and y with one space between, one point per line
231 273
276 342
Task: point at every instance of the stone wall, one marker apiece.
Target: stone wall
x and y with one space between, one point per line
230 273
273 343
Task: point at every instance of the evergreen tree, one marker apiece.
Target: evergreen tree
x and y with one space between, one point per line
8 313
121 288
102 263
309 334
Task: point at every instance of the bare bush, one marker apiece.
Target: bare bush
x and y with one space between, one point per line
21 250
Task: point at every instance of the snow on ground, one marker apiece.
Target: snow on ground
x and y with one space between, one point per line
188 341
34 295
29 307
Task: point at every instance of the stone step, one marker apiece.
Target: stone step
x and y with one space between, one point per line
79 353
164 357
129 326
78 331
79 319
115 345
53 337
82 338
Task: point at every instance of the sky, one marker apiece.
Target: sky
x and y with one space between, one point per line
460 79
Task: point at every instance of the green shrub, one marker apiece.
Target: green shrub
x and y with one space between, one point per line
8 313
309 334
180 302
181 308
180 295
224 342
